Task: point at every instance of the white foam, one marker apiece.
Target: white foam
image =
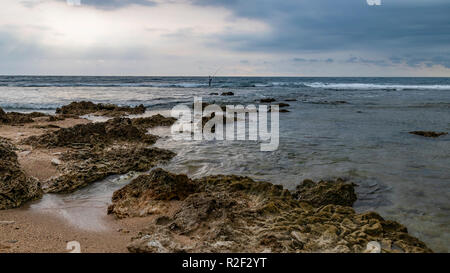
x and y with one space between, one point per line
370 86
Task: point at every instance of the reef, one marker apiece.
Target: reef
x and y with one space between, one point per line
98 150
236 214
15 187
92 134
111 110
82 167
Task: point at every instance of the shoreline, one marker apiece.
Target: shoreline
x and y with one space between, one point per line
35 225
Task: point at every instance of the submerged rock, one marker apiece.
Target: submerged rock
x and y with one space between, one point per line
117 129
428 133
267 100
227 94
111 110
15 188
325 193
236 214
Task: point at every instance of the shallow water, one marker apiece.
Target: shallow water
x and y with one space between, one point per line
403 177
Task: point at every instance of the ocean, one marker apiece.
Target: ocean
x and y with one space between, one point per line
354 128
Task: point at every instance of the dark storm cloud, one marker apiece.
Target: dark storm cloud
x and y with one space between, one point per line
420 28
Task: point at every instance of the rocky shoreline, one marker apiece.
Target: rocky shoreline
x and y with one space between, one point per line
222 213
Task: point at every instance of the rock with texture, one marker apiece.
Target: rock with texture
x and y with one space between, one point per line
236 214
15 188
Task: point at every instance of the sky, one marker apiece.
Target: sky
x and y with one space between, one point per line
233 37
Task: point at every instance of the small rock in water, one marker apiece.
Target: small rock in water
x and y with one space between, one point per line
267 100
428 133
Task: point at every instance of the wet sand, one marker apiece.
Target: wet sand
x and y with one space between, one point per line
41 231
28 231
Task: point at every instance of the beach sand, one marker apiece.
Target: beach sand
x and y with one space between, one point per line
28 231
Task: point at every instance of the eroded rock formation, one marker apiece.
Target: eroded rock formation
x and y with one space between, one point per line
14 118
15 188
82 167
236 214
110 110
117 129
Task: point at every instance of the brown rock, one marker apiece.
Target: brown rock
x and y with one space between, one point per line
83 167
118 129
236 214
326 192
15 188
14 118
111 110
159 185
153 121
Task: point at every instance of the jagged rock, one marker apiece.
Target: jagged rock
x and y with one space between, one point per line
159 185
236 214
117 129
227 94
111 110
15 188
153 121
428 133
83 167
325 193
3 116
14 118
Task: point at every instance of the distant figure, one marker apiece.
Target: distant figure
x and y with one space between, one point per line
210 81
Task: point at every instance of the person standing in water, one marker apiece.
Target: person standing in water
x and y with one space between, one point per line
210 81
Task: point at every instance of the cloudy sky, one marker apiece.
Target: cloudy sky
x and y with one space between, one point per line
241 37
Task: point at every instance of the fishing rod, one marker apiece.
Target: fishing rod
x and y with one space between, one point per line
211 78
